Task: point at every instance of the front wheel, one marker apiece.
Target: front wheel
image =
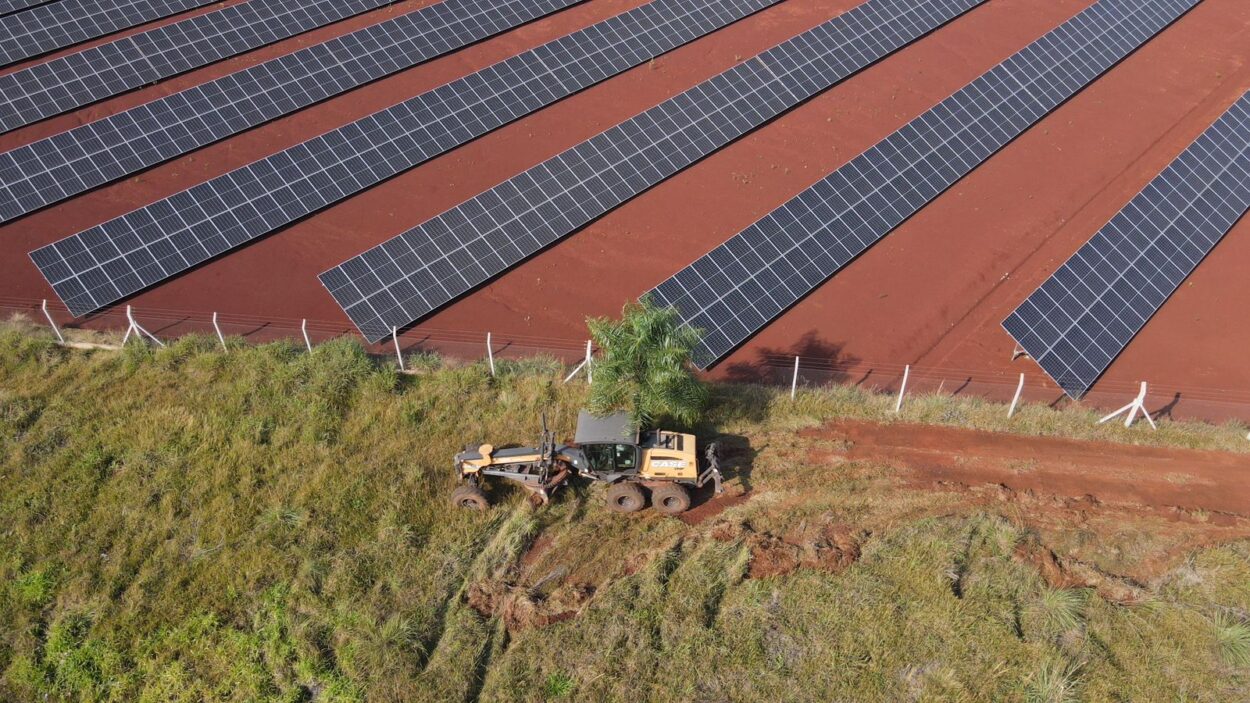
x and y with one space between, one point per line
626 497
469 497
671 499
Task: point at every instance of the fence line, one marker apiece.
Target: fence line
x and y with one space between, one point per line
773 369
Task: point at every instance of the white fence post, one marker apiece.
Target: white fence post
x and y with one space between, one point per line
898 404
220 337
585 364
55 329
794 380
1138 405
303 327
137 329
490 354
574 371
1016 400
590 372
398 354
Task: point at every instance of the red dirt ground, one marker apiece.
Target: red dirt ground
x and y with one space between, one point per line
931 294
1136 510
1171 482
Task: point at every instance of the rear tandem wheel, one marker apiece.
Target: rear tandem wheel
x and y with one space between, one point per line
671 499
626 497
470 497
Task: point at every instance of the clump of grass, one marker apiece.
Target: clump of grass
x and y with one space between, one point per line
529 366
1054 682
1056 611
425 360
1232 637
558 685
36 587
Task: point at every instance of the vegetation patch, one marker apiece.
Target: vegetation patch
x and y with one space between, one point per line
267 524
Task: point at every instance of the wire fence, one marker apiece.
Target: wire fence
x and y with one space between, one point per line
773 369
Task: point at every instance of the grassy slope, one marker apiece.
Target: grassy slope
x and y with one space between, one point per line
183 524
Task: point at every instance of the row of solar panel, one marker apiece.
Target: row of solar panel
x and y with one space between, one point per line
10 6
121 256
1080 319
46 28
730 292
740 286
83 77
49 170
418 271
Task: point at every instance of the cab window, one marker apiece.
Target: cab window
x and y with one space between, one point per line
626 457
612 457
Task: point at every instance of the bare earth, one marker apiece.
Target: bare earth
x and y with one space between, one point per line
1170 481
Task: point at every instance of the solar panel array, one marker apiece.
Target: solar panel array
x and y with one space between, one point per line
65 23
1084 315
740 286
418 271
52 169
119 257
7 6
95 73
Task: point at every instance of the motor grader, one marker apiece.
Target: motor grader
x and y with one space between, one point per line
610 449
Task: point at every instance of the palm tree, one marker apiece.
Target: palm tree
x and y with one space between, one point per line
645 367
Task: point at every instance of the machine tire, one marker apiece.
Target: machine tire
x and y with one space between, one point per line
671 499
626 497
469 497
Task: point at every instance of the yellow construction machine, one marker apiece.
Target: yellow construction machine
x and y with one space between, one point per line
657 464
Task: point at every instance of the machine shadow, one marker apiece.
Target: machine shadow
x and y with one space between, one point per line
737 461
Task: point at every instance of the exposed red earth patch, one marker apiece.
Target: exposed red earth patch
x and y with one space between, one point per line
830 548
931 294
522 608
1098 515
714 505
1169 482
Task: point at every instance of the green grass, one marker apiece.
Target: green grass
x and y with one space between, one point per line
181 524
1075 421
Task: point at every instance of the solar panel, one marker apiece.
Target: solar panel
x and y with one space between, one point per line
9 6
740 286
1084 315
52 169
442 259
66 164
50 27
95 73
105 263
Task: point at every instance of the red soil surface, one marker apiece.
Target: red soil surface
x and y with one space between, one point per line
930 294
1085 500
1172 482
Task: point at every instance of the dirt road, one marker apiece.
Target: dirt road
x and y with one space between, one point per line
1167 481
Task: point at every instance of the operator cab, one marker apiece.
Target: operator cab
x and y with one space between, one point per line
609 442
611 458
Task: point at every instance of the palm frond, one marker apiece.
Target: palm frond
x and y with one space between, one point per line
645 365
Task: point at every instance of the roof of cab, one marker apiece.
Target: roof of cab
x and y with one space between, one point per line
597 429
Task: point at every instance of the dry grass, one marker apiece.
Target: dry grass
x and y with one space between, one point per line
269 525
